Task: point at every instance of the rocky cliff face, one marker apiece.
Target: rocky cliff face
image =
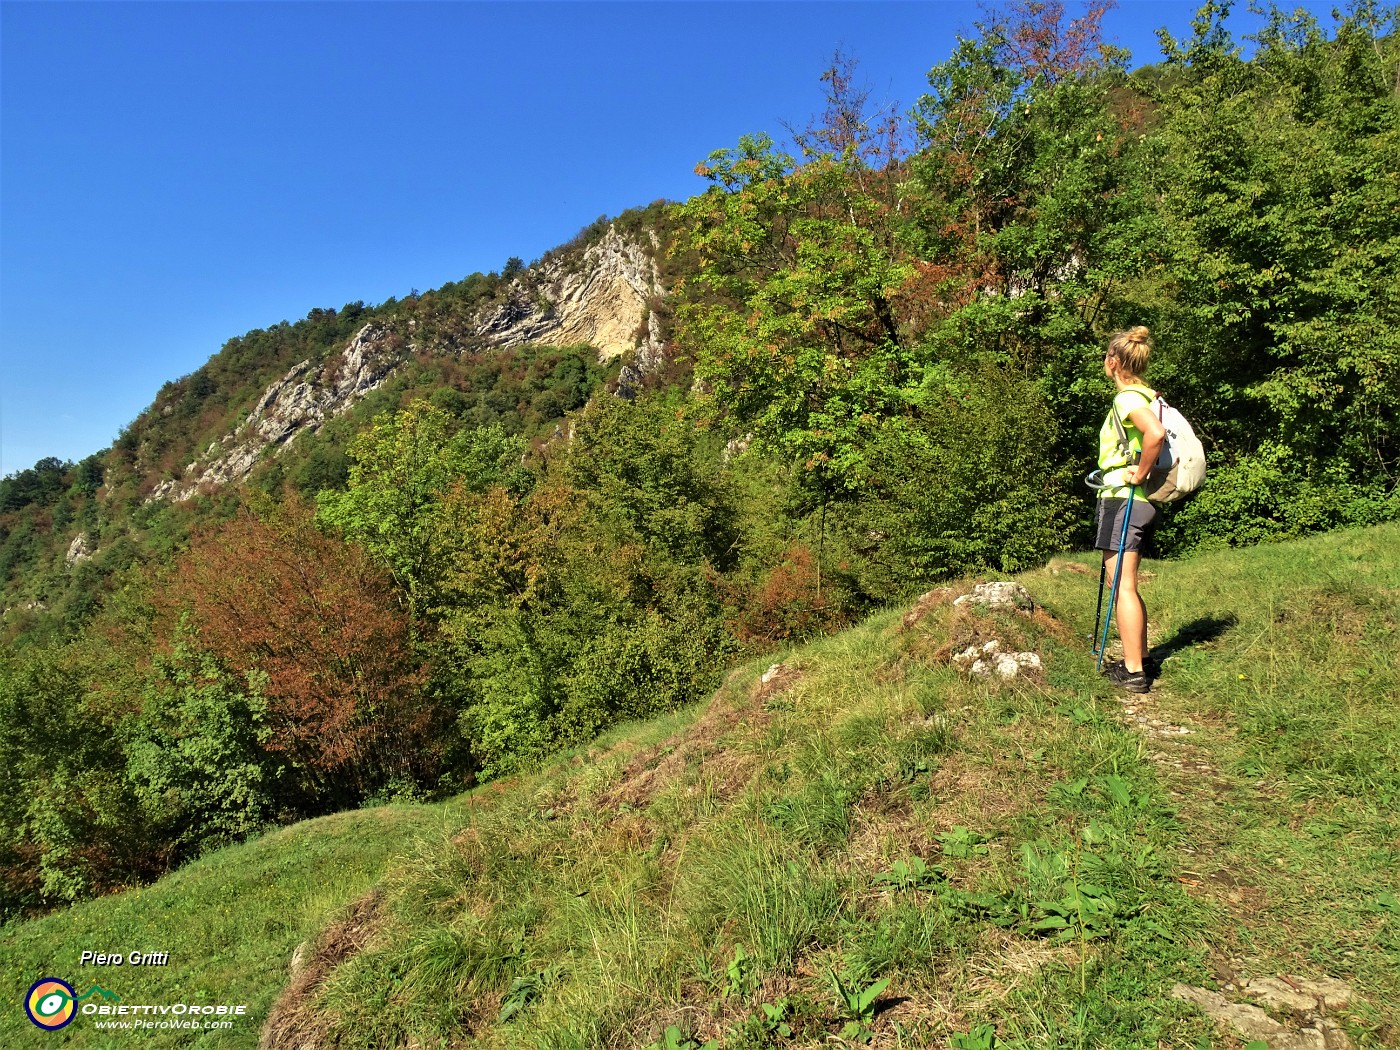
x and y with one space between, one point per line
301 400
79 550
599 298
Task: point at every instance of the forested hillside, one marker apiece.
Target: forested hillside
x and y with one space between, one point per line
876 363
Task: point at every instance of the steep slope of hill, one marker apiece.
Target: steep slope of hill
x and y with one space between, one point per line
252 411
863 844
597 298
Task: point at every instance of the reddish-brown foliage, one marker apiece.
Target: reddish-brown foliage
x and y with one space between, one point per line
788 605
874 136
1043 46
322 623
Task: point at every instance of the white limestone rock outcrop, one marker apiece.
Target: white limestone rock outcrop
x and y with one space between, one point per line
302 400
987 659
1003 594
1307 1027
600 299
78 550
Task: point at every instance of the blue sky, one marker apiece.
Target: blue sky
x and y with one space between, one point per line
174 174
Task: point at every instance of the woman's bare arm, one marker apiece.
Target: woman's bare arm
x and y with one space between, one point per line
1152 438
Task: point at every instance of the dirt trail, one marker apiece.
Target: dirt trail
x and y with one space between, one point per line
1298 1008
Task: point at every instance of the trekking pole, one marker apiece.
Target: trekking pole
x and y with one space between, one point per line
1098 610
1117 572
1094 479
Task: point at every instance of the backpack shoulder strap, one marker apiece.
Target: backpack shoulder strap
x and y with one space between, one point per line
1120 432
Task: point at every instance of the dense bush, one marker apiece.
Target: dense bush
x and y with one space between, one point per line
652 478
70 822
1263 497
197 754
788 601
317 626
968 484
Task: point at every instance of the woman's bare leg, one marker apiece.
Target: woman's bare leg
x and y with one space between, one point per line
1129 609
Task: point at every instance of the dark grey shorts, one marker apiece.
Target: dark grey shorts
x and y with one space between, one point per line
1109 525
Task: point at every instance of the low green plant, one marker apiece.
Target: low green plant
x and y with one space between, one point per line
960 843
983 1037
1120 793
1007 910
739 974
525 990
676 1039
857 1005
1085 912
1386 902
913 874
1070 789
773 1021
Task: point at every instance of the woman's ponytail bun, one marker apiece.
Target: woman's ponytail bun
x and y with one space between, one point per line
1132 349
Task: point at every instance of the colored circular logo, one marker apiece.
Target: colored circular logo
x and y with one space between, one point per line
50 1003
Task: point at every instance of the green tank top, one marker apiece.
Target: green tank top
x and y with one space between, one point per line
1112 461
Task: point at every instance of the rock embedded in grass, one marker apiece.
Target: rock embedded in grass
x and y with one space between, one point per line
1298 994
1003 594
1305 998
987 659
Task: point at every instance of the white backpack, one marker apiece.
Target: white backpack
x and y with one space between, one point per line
1180 465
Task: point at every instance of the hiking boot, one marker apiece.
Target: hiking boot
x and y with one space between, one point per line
1151 666
1132 681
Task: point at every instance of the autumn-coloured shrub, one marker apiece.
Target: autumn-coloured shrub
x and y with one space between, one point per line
789 603
321 625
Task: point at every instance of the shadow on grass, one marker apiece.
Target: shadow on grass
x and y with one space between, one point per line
1197 632
888 1002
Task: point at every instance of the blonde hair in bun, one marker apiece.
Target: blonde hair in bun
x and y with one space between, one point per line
1131 349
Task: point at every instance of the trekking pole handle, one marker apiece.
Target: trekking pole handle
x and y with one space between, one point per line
1095 478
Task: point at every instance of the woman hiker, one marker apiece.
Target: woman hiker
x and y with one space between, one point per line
1125 363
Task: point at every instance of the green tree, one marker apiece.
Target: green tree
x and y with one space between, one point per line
506 629
1277 185
70 822
789 312
42 484
1029 194
401 468
654 479
550 628
970 484
196 753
